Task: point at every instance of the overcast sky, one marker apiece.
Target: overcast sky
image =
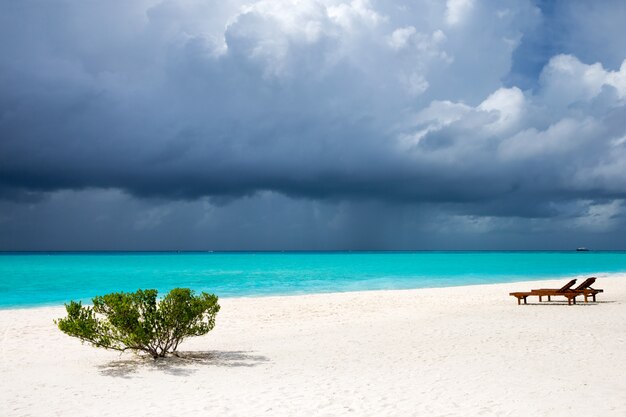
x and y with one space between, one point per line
312 124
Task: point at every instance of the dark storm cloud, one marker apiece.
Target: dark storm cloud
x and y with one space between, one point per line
110 220
334 101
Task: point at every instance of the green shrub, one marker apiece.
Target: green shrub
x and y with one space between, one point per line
137 321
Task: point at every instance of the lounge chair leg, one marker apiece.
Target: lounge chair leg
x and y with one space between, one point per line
524 300
594 298
519 301
549 299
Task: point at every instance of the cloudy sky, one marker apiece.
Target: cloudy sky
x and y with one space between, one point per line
312 124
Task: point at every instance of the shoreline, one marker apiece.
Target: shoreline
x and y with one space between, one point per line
460 351
555 280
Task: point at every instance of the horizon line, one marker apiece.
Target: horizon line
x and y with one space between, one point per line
174 251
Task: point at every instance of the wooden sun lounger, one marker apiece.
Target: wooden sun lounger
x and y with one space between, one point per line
564 291
588 291
584 289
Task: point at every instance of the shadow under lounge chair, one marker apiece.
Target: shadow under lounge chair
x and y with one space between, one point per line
564 291
584 289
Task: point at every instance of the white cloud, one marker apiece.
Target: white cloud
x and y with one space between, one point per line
400 37
565 81
457 10
509 104
537 140
435 117
278 34
442 113
617 79
356 12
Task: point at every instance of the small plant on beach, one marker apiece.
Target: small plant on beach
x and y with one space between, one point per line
139 322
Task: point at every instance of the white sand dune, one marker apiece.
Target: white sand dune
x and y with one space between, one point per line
463 351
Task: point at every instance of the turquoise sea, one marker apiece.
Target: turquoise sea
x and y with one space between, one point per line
34 279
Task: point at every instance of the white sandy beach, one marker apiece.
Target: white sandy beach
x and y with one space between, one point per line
462 351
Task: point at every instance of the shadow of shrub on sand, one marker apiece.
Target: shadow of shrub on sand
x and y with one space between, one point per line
185 364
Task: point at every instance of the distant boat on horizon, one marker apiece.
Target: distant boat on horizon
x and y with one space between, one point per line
582 249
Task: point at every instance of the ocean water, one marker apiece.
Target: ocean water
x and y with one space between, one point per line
34 279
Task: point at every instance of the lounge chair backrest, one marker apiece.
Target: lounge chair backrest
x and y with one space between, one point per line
567 286
586 283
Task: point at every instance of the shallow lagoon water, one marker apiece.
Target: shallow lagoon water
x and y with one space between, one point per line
35 279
